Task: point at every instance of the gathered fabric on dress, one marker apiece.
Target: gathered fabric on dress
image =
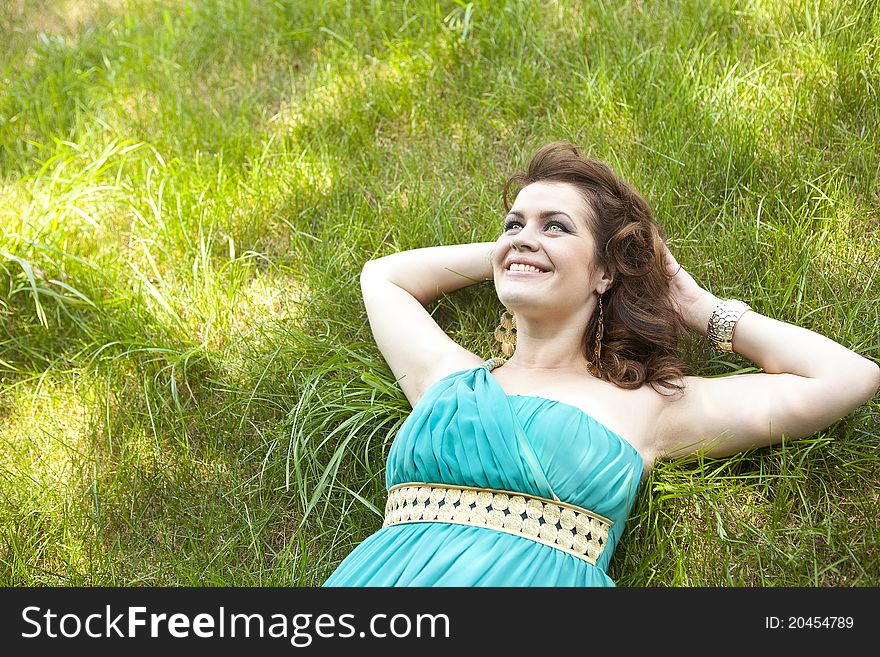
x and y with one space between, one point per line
467 431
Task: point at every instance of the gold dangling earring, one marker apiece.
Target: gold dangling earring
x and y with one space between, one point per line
505 333
596 366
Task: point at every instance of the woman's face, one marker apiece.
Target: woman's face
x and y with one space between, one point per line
547 227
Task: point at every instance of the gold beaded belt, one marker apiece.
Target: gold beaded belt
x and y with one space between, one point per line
566 527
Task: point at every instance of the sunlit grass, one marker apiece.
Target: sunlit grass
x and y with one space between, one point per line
189 392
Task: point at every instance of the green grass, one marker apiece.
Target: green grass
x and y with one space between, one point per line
189 391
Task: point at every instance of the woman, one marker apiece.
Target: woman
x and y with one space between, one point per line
521 471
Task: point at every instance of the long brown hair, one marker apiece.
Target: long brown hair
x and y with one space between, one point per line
642 327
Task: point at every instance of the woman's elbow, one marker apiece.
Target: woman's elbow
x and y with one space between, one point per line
874 378
371 268
867 381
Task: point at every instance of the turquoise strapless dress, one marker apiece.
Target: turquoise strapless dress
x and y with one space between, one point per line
467 431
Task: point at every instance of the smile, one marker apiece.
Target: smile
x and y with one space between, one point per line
525 274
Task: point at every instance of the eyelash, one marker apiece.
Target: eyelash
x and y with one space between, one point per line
509 223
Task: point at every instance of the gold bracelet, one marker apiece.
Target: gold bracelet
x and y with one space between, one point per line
722 323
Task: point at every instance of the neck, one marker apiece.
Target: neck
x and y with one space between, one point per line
544 346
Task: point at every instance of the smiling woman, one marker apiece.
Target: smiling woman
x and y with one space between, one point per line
607 247
523 471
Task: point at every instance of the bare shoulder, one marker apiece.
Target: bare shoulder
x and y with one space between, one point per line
447 360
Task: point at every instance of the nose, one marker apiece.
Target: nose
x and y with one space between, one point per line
524 239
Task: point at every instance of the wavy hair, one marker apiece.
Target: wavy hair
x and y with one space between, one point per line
642 327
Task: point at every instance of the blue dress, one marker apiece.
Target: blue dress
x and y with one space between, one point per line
467 431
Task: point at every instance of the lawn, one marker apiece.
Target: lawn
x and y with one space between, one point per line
189 390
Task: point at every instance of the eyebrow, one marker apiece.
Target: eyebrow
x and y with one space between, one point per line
545 213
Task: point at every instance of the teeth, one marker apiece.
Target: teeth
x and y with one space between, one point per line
520 267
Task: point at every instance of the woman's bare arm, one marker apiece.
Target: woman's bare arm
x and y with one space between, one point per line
809 382
433 271
397 288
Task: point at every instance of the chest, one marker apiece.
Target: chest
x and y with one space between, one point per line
632 414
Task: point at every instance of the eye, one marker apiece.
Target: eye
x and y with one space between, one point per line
510 223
